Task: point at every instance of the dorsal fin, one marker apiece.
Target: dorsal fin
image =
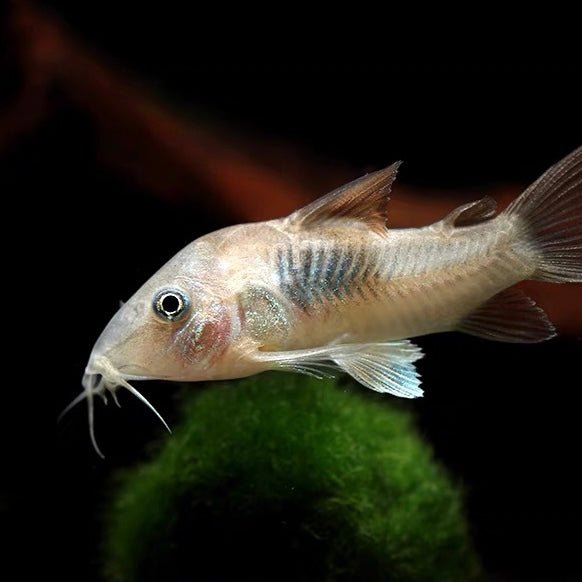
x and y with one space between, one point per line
365 200
471 213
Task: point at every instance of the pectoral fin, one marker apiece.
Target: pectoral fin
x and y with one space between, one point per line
383 367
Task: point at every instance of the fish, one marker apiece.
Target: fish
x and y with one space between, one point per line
330 288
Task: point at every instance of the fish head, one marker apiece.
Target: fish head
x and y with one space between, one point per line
174 327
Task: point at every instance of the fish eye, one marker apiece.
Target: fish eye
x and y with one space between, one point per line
170 304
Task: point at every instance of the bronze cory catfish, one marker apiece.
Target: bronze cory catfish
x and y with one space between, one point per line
331 287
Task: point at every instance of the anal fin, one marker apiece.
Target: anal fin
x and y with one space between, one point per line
509 316
383 366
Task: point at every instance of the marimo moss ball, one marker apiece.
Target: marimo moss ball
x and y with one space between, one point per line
281 477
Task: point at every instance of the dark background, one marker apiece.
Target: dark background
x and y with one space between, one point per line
504 419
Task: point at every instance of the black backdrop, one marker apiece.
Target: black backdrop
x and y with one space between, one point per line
503 419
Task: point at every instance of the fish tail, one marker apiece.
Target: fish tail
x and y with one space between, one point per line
550 221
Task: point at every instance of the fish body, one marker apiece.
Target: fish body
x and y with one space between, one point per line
305 289
331 287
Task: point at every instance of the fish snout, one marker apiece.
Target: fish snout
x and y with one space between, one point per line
116 333
116 347
100 374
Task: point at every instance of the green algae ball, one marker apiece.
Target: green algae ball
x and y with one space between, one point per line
282 477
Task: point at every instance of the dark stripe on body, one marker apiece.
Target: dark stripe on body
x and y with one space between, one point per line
314 274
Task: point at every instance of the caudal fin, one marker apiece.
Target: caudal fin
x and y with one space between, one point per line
551 216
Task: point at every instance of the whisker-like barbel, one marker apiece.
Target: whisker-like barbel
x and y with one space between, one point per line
100 384
91 413
141 397
79 398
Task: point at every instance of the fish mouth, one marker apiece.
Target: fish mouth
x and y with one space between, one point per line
102 378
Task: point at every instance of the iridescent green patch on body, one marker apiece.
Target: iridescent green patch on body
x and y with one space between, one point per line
264 316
